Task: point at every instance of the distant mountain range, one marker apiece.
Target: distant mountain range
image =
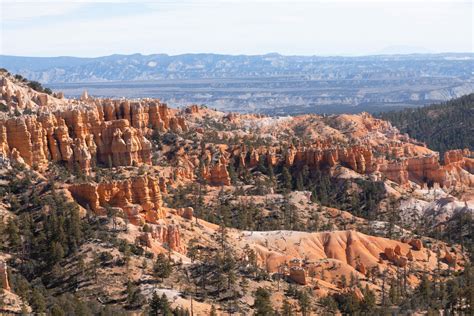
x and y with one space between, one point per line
199 66
263 83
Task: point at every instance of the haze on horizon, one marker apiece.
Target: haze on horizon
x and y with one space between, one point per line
304 27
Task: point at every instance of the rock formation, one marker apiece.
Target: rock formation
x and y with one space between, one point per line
104 131
395 258
365 159
139 197
185 212
416 244
218 174
351 252
4 276
167 234
298 275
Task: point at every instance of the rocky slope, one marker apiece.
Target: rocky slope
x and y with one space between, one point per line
235 202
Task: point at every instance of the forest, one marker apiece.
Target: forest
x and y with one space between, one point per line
441 126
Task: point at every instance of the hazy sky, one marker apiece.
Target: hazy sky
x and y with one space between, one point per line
309 27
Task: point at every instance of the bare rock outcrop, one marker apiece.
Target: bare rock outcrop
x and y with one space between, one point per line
139 197
167 234
218 173
185 212
298 275
4 276
416 244
170 235
395 258
82 133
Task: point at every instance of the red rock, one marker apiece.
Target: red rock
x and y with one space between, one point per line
298 275
4 276
449 258
192 109
111 132
186 212
361 268
416 244
397 250
218 173
170 235
395 258
140 197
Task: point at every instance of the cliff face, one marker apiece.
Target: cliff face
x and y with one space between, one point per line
169 235
398 163
84 133
139 198
109 132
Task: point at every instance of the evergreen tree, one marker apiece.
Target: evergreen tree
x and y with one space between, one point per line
13 233
232 172
56 310
304 302
261 164
37 301
262 305
164 306
154 305
162 267
286 308
287 181
56 252
369 302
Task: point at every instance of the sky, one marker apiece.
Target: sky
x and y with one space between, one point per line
300 27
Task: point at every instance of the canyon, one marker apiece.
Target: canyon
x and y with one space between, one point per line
181 181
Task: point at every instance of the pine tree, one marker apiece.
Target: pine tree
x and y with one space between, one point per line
193 250
261 164
305 303
232 172
56 252
13 233
287 183
162 267
286 308
262 305
299 182
73 228
37 301
164 307
154 305
56 310
369 301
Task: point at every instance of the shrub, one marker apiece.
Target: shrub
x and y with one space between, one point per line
35 85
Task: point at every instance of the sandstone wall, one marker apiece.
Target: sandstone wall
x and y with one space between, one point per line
110 132
139 198
400 163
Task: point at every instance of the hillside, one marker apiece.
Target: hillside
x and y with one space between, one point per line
125 207
441 126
